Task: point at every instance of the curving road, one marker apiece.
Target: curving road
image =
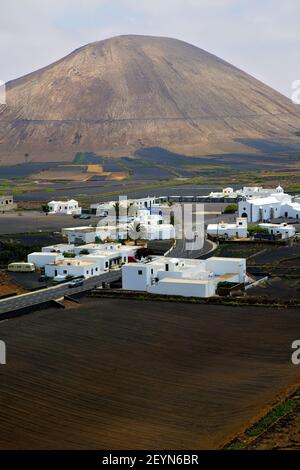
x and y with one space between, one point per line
180 250
193 248
54 293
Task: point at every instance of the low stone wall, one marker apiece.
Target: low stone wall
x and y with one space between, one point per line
217 300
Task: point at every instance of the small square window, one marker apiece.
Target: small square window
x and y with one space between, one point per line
140 272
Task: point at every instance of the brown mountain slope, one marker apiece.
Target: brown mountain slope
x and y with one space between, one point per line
115 96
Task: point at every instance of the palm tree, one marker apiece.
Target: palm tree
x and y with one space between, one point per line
117 212
136 231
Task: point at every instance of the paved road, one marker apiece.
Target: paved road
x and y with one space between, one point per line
195 248
181 251
53 293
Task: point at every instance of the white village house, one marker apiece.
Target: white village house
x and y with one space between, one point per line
104 260
78 235
145 226
126 251
271 206
143 231
284 230
7 203
70 207
59 248
40 259
250 192
72 267
104 208
148 226
100 256
247 192
88 235
183 277
107 256
238 229
226 193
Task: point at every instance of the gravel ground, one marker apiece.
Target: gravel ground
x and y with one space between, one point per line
32 221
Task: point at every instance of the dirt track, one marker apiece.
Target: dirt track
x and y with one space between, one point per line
121 374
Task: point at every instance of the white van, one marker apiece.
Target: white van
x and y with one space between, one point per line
21 267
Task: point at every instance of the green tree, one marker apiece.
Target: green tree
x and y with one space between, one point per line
230 209
117 206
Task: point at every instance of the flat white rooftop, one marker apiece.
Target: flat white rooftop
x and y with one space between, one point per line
45 253
283 225
74 263
80 229
182 280
103 254
260 201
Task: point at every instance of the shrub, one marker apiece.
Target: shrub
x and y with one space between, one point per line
226 284
11 251
84 252
231 209
257 229
143 253
45 208
68 255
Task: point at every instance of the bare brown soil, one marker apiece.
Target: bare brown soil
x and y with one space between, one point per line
148 375
77 173
8 286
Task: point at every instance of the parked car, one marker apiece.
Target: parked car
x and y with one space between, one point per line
76 216
76 283
85 216
43 278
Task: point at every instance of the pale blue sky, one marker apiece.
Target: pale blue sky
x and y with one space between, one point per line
260 36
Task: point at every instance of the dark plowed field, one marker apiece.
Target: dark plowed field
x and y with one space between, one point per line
277 288
276 254
136 374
